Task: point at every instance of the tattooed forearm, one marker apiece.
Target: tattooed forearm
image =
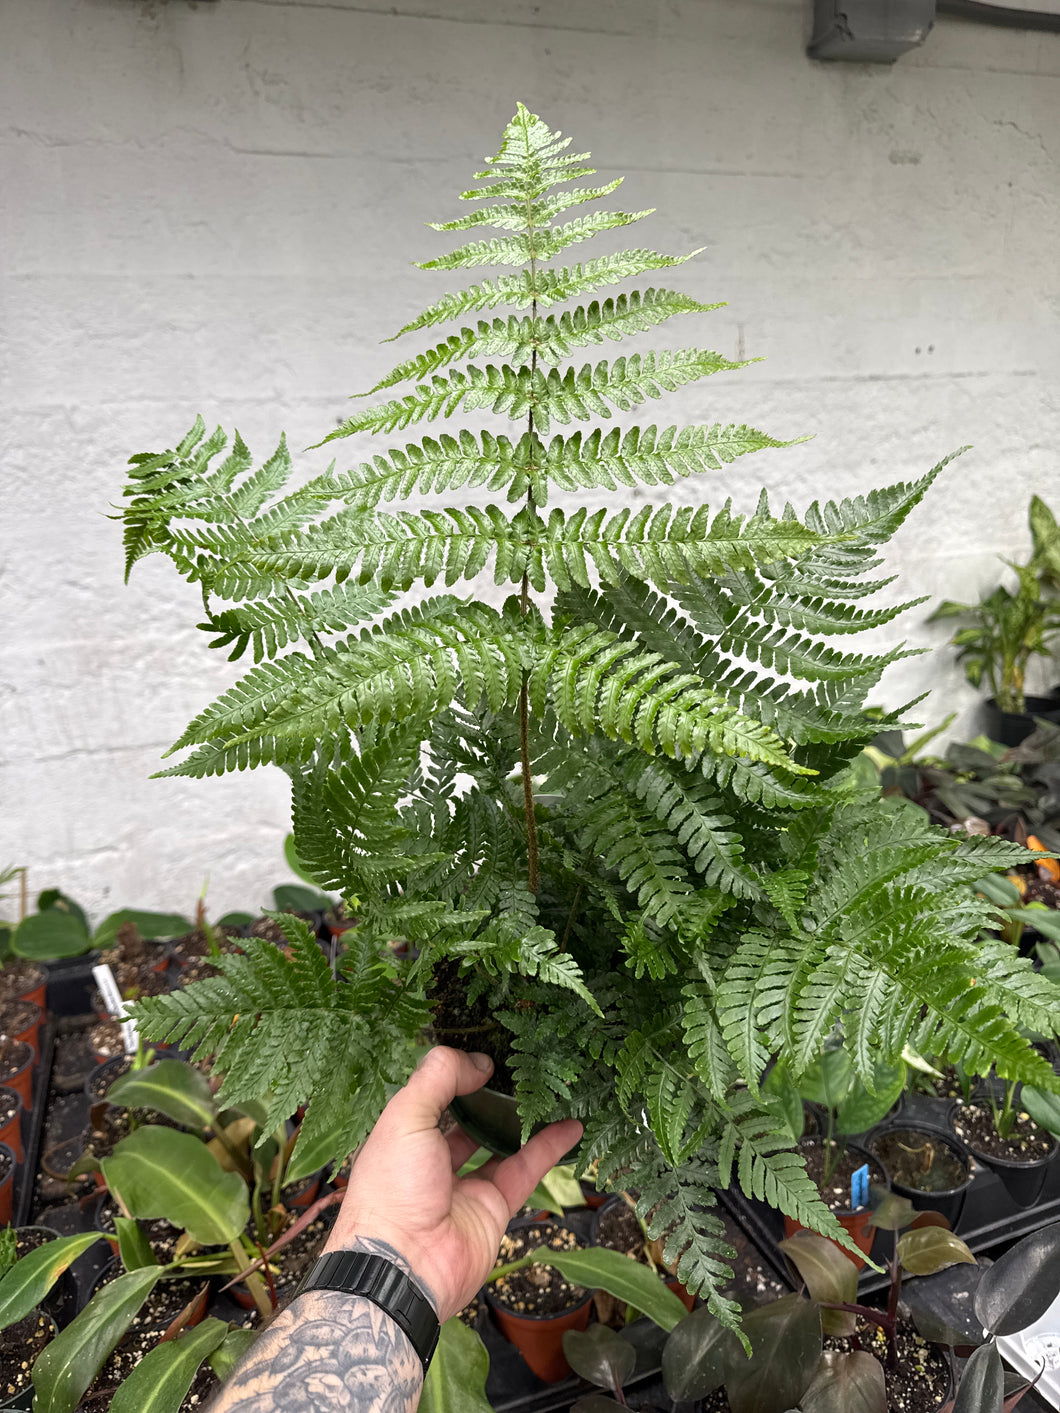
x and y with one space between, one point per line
329 1353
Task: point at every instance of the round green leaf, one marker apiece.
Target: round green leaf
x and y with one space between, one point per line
893 1212
174 1088
161 1380
600 1355
293 898
698 1355
1021 1285
158 1172
44 937
150 926
66 1367
456 1380
55 898
29 1280
930 1249
846 1383
829 1079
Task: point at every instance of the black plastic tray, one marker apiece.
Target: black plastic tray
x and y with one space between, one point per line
989 1218
32 1128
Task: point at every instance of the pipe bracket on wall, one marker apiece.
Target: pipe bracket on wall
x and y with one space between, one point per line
869 31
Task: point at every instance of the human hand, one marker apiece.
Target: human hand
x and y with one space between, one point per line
404 1189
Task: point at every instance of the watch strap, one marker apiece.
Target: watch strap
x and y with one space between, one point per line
376 1279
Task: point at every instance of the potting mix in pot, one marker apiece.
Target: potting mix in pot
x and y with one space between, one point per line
611 822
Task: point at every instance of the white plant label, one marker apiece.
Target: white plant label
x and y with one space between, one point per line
108 989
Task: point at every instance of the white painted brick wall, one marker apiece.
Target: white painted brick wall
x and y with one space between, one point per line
213 207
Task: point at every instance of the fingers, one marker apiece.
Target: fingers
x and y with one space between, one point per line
461 1147
442 1075
517 1176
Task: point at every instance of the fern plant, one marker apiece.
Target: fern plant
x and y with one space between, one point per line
700 889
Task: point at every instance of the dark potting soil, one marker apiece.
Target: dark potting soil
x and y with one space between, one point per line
469 1314
13 1057
162 1235
916 1159
17 1016
196 943
270 931
17 978
135 981
106 1130
100 1083
105 1039
537 1290
19 1346
7 1166
9 1102
753 1281
948 1086
203 1387
197 971
1040 890
467 1026
28 1239
1027 1143
162 1305
836 1194
920 1385
129 946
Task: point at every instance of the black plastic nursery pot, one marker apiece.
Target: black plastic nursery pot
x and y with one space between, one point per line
917 1139
491 1119
1024 1181
27 1338
1009 728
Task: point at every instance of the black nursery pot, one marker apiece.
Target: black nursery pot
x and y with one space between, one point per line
491 1119
1009 727
1022 1181
948 1201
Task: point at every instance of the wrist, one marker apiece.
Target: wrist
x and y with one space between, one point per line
393 1249
378 1281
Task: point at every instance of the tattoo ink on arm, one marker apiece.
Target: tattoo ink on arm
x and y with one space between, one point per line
330 1353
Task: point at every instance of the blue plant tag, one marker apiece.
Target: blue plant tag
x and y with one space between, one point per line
859 1187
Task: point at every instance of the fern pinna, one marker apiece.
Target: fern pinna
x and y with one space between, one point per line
700 888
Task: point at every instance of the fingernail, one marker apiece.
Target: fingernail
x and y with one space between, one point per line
480 1061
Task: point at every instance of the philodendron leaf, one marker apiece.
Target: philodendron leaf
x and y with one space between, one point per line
228 1354
157 1172
893 1212
133 1246
862 1110
556 1190
161 1380
698 1355
456 1380
828 1274
150 926
174 1088
42 937
1021 1285
600 1355
930 1249
66 1367
934 1328
829 1079
293 898
323 1147
982 1386
1043 1108
786 1342
29 1280
846 1383
601 1269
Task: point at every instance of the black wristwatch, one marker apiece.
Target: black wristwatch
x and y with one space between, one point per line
379 1280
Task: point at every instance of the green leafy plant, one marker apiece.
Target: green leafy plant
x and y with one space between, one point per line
618 806
1007 629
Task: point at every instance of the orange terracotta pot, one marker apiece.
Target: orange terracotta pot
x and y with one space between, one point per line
37 993
11 1132
539 1338
22 1082
30 1033
7 1187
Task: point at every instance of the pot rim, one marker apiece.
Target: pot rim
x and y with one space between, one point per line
951 1139
854 1148
520 1224
988 1159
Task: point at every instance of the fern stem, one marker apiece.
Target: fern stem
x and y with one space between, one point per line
570 917
532 865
